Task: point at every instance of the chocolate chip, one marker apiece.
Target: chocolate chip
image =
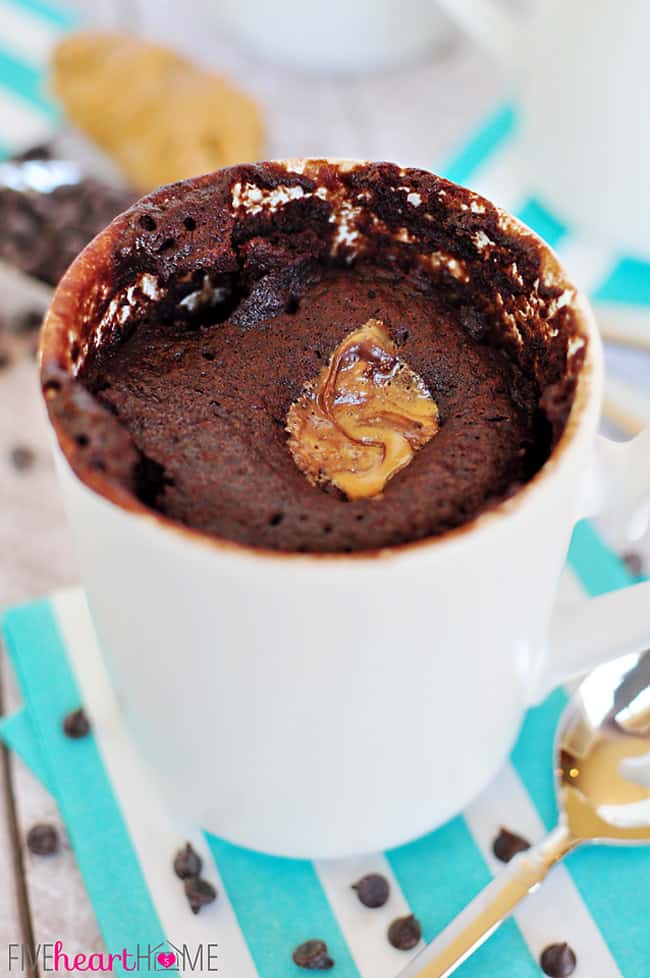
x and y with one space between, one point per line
43 839
199 892
313 956
76 724
187 863
373 890
634 563
22 458
27 321
558 960
39 152
405 932
507 844
5 359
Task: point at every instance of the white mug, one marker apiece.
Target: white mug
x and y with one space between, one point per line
583 91
318 705
335 35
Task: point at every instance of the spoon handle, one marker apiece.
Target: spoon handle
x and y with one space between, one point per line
490 908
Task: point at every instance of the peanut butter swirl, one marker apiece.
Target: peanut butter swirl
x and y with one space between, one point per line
363 418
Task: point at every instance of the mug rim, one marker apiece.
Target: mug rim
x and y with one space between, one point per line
587 394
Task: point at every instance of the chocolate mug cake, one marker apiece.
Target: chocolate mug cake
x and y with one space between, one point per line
319 358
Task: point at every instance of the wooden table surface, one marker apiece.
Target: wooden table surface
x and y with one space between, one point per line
414 115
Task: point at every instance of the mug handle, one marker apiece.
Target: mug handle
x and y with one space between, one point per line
617 623
497 31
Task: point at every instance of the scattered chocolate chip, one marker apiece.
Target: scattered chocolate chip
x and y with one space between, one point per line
634 563
507 844
187 863
5 359
27 321
22 458
199 892
313 956
43 839
373 890
39 152
558 960
405 932
76 724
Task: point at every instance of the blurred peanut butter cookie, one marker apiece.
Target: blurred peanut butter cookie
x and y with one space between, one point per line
160 117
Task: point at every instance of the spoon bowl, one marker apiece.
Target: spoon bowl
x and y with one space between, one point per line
603 754
602 773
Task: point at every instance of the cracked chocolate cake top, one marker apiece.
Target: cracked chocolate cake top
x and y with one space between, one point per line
179 340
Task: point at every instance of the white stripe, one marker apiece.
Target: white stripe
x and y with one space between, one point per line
555 912
155 835
21 124
621 323
364 929
626 406
587 265
27 38
499 179
570 590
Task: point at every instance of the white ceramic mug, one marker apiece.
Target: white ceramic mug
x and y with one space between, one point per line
335 35
583 91
320 705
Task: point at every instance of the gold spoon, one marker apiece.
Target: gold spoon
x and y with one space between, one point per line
603 789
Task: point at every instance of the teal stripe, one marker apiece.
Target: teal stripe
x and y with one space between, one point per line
629 282
100 839
542 222
279 903
17 732
439 875
495 131
55 15
613 882
597 567
24 80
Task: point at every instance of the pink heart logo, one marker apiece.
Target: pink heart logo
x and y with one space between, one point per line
166 959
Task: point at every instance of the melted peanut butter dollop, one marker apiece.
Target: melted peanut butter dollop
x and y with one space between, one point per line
363 418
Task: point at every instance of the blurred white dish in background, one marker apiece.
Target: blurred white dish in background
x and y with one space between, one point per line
338 36
583 91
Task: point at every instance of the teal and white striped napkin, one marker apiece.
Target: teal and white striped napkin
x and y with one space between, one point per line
29 29
124 839
618 284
